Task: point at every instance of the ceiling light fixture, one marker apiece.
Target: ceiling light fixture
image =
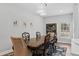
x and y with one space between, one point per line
40 11
42 14
61 11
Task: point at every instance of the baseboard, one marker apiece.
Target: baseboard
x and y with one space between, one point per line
65 43
73 54
5 52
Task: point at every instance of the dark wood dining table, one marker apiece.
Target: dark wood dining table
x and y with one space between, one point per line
33 43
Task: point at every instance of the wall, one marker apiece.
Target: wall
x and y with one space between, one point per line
67 18
75 40
10 13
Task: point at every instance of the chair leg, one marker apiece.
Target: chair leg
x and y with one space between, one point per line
55 49
44 53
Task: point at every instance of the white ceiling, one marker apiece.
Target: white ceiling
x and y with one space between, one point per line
51 9
57 9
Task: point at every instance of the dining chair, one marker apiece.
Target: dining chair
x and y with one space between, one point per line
42 49
20 48
52 44
26 36
38 35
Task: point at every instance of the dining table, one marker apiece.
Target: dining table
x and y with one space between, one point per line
35 43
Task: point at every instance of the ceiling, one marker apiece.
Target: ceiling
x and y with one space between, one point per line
50 9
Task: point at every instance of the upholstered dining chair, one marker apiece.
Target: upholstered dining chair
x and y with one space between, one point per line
20 48
26 36
42 49
38 35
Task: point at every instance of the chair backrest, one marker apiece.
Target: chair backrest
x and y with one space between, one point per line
20 49
26 36
47 38
38 35
17 43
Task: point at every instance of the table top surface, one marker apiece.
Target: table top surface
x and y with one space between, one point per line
35 43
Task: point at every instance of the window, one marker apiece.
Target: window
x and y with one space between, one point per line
65 30
65 27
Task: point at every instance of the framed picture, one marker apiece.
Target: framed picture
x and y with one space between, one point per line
51 28
15 23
